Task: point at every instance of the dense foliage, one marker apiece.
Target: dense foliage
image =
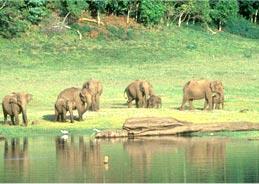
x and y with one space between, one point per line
17 16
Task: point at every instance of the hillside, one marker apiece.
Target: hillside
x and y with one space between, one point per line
44 65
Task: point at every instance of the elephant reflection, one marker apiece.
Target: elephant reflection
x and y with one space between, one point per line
206 152
16 155
79 156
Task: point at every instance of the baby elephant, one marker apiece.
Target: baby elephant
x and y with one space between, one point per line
217 101
14 104
63 105
154 101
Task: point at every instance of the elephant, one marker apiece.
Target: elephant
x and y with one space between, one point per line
217 101
154 101
95 87
138 90
14 104
79 98
199 89
63 105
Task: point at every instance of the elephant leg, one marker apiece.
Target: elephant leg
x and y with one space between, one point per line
190 104
137 102
97 102
80 111
222 105
183 102
16 118
71 116
56 115
12 119
130 99
217 106
80 115
5 117
24 117
64 113
205 104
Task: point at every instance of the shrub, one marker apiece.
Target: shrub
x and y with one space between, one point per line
151 11
241 26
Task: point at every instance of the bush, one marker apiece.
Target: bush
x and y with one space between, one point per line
120 33
151 11
242 27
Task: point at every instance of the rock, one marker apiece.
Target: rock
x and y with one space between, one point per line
153 126
111 134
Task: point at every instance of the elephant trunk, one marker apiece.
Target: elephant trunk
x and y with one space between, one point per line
24 116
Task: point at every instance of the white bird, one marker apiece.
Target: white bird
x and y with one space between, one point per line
96 130
64 132
64 137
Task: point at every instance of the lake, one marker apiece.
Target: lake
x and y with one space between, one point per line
150 159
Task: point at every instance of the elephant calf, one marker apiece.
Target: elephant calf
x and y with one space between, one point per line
217 101
63 105
95 88
154 101
78 98
14 104
201 89
138 90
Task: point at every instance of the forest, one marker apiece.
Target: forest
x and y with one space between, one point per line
236 16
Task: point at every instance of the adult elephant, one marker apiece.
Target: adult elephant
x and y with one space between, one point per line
201 89
79 98
138 90
95 88
14 104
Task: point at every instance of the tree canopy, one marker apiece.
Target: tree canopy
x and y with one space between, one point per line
17 16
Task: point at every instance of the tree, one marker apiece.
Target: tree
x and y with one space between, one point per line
12 22
73 7
249 9
222 10
96 7
151 11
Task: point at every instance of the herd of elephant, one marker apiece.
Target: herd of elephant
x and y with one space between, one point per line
88 98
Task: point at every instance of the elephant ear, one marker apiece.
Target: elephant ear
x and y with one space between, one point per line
13 99
213 86
19 99
83 95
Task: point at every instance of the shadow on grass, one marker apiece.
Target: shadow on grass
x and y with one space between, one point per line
119 105
49 117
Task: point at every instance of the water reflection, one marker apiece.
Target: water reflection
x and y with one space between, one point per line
79 155
16 156
150 159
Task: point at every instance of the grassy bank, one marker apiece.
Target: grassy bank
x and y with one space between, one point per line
168 58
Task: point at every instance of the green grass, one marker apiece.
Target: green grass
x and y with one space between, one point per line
167 58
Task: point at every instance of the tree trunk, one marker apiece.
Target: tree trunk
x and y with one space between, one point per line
220 26
256 13
180 20
128 15
188 19
98 17
193 20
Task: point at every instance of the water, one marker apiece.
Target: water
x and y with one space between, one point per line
157 159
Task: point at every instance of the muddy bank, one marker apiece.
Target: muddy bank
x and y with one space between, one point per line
153 126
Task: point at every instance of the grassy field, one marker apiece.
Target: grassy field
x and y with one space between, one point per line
168 58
